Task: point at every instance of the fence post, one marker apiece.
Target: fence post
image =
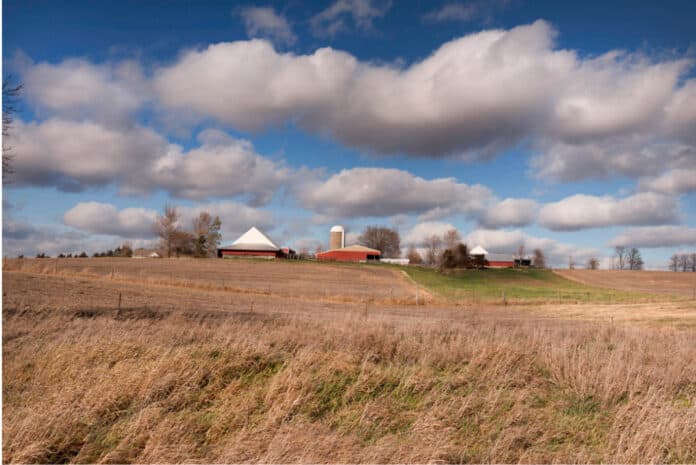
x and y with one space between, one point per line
417 294
504 300
119 303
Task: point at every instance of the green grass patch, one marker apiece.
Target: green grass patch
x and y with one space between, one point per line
514 286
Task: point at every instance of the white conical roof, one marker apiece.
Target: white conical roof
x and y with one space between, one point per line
478 250
255 236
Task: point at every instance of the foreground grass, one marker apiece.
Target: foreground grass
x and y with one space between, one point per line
516 286
147 385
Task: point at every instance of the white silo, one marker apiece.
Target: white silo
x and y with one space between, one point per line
337 238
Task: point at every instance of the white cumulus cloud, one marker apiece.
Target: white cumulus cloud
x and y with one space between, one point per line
417 235
109 92
73 156
656 236
587 211
472 97
104 218
677 181
510 212
382 192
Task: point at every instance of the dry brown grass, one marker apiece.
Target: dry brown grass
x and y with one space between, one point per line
326 281
193 375
660 282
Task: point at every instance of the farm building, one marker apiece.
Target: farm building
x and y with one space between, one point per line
495 260
146 253
352 253
254 243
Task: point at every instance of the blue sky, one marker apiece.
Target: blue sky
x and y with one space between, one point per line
568 127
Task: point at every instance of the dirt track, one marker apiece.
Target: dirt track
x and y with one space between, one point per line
656 282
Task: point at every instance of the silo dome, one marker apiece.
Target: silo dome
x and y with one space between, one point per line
337 228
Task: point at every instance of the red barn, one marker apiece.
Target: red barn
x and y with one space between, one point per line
353 253
495 260
254 243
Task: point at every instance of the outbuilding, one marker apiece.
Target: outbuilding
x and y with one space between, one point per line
495 260
254 243
352 253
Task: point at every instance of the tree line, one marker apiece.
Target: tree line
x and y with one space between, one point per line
446 251
627 259
683 262
202 240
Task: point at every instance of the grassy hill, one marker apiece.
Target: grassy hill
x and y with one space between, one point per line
515 286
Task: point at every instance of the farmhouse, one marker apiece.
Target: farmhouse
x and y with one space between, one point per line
495 260
352 253
254 243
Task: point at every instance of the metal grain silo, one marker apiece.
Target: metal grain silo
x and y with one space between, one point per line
337 238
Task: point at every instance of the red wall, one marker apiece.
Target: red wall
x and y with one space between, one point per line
247 253
340 256
500 264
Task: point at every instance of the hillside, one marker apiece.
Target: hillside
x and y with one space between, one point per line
184 373
518 286
657 282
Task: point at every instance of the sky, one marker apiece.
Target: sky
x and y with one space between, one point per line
569 127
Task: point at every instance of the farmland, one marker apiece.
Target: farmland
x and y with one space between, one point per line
111 360
526 286
655 282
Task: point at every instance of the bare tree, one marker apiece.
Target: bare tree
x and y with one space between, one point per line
693 262
433 247
539 259
674 262
571 263
206 235
413 256
10 95
684 262
634 259
620 254
386 240
593 264
451 239
167 228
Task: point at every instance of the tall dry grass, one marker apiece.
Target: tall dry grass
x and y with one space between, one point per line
156 386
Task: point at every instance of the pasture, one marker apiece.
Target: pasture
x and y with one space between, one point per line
118 360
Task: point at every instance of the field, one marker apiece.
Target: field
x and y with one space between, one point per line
113 361
520 286
656 282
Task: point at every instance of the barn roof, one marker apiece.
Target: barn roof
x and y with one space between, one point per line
478 250
253 239
357 248
499 257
